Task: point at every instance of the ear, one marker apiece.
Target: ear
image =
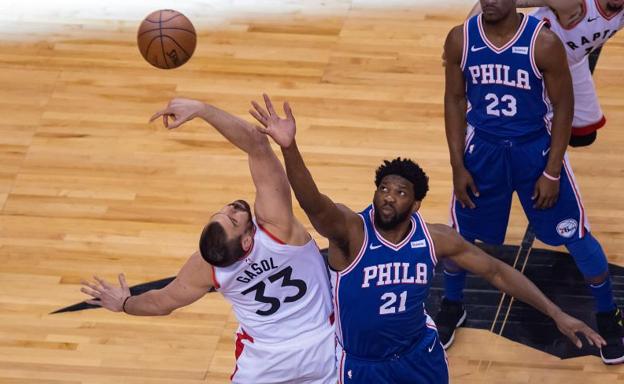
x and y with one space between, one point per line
416 206
247 240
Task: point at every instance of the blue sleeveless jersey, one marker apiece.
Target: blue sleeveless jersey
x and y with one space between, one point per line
379 298
504 88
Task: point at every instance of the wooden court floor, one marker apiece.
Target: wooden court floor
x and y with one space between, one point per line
88 186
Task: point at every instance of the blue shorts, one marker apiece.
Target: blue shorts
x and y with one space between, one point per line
501 167
424 363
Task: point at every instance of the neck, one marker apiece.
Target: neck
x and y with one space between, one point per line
398 233
503 27
603 4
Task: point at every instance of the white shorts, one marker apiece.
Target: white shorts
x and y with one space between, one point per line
310 360
588 116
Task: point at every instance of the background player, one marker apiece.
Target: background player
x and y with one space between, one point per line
269 268
382 261
583 26
500 67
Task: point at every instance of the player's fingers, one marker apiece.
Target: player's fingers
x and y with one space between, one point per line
90 285
465 200
575 339
90 292
473 188
288 111
165 118
260 110
103 282
176 122
261 119
263 130
157 115
94 302
122 281
269 104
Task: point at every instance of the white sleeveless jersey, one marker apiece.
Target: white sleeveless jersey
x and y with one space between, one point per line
588 34
279 292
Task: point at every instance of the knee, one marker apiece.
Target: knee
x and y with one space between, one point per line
590 259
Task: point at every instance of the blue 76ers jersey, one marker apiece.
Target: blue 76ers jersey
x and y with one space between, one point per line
504 87
379 298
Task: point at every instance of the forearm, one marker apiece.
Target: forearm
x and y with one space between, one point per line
455 127
512 282
559 139
307 193
146 304
238 131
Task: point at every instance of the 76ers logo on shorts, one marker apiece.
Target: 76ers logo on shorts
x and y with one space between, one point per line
567 228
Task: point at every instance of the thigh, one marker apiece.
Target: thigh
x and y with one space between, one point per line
488 165
425 364
565 221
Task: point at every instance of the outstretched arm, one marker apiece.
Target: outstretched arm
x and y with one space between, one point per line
192 282
273 205
334 222
448 243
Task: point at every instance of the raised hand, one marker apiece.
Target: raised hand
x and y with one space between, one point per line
281 130
180 111
105 294
571 326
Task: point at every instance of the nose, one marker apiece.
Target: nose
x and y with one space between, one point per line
389 198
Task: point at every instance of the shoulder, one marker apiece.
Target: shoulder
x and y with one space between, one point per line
446 239
456 34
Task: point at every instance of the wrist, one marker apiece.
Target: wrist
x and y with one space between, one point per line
125 302
550 176
554 312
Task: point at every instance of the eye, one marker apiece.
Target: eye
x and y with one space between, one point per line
383 188
402 193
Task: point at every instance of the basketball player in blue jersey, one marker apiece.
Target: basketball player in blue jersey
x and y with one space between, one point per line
382 263
508 112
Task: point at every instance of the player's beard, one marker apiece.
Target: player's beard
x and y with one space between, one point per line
614 8
392 222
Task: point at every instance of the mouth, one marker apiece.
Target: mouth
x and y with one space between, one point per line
387 210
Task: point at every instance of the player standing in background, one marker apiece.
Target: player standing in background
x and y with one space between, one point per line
583 26
382 262
267 267
506 76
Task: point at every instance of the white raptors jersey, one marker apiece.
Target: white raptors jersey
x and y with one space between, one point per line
279 292
588 34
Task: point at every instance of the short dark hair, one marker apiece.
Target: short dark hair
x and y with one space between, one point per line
215 247
408 170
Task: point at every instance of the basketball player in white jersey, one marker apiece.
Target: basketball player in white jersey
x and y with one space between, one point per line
583 26
268 267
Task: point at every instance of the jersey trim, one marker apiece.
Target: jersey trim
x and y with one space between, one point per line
432 252
394 247
272 236
577 195
577 22
603 13
536 33
240 336
587 129
465 48
360 253
214 277
511 42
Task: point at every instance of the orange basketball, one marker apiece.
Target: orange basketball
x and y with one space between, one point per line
166 39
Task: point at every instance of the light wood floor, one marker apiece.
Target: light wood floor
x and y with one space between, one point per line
88 186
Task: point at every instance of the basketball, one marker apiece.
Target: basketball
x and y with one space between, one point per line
166 39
